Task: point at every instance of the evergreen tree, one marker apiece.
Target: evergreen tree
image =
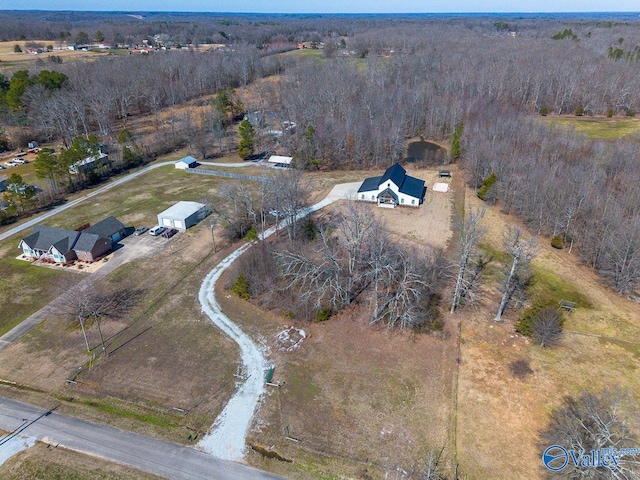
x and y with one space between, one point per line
247 139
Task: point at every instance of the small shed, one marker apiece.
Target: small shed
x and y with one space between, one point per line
280 161
183 215
186 162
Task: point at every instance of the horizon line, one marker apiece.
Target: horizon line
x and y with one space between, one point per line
570 12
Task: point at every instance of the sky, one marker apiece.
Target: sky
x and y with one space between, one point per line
330 6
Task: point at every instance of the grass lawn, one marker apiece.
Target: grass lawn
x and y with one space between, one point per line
42 462
597 127
169 373
499 415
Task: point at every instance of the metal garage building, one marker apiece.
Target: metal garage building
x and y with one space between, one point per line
183 215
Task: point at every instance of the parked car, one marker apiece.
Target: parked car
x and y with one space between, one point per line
157 230
20 160
140 231
2 167
169 232
10 163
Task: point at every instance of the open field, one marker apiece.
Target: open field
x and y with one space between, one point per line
45 462
168 373
597 127
353 394
10 59
498 411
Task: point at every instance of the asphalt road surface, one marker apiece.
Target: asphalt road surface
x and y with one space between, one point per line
150 455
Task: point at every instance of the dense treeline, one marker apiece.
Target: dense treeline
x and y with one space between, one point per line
583 191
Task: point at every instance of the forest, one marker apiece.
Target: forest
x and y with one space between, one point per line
374 83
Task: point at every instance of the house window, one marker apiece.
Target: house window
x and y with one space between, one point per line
402 200
373 197
413 201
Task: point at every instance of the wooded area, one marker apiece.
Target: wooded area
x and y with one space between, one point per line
375 82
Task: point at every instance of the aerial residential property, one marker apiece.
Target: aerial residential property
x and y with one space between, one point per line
393 188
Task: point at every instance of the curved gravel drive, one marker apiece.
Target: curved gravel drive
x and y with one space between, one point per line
228 433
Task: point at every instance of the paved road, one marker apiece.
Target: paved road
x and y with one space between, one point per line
150 455
73 203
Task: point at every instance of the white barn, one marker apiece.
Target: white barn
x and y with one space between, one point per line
393 188
183 215
186 162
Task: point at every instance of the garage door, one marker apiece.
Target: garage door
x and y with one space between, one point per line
179 224
166 222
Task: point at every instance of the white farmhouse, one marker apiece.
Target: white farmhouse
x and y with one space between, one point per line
393 188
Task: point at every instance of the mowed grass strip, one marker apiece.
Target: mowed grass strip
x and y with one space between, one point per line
597 127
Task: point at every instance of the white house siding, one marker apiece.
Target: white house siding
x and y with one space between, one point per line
403 198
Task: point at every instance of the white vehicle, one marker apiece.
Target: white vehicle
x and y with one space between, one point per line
157 230
19 160
10 163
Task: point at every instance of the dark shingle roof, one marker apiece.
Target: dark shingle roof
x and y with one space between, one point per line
44 237
106 227
370 184
86 241
395 173
412 186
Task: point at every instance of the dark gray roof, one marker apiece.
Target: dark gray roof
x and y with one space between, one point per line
412 186
106 228
86 241
406 184
395 173
44 237
369 184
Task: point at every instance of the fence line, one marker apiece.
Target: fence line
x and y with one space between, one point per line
218 173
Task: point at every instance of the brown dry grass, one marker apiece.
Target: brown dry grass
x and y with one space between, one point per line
162 352
42 461
499 416
360 398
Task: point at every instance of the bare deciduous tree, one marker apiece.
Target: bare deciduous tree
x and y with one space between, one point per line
470 234
522 252
546 327
592 421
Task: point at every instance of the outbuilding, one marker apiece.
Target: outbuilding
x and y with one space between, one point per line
186 162
280 161
183 215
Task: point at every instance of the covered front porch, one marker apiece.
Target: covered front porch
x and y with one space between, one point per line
387 199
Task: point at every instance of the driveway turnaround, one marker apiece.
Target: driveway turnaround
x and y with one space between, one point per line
150 455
